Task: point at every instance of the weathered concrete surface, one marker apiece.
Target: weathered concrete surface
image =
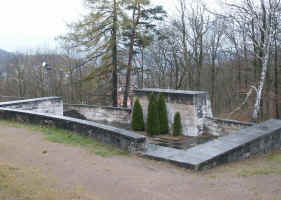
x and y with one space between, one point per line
51 105
193 106
260 138
101 113
123 139
221 127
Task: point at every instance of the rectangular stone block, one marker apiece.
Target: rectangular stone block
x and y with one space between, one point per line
193 106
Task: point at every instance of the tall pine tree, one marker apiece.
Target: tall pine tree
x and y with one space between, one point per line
96 35
143 18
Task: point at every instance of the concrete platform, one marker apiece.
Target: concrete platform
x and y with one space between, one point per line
260 138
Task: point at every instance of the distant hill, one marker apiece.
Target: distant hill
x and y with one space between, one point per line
4 58
4 55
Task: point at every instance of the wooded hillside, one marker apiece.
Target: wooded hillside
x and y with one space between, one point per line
232 52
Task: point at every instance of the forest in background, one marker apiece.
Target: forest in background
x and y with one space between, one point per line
232 52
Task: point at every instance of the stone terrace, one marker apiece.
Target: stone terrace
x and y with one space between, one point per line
261 138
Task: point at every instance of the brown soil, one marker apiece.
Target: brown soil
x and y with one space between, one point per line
133 178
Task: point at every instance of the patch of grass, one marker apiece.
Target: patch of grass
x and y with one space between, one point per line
25 184
267 164
70 138
252 172
275 157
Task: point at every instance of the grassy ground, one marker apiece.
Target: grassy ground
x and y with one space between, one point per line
69 138
269 164
27 184
89 176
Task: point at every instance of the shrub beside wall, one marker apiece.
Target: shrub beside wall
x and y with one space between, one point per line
153 123
163 114
137 123
177 126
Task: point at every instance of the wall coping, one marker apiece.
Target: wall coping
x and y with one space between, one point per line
229 121
97 106
169 91
17 102
7 97
122 132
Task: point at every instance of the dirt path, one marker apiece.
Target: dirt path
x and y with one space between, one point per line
133 178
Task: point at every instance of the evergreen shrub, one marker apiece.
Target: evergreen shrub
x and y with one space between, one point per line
163 114
152 124
177 126
137 123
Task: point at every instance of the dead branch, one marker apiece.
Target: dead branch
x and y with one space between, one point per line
244 102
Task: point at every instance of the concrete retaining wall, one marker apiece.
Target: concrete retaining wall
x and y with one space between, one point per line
51 105
126 140
257 139
221 127
99 113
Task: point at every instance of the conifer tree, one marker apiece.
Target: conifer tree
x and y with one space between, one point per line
137 118
163 115
152 124
96 35
177 126
144 17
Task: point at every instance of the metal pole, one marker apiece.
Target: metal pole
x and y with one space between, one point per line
48 69
49 83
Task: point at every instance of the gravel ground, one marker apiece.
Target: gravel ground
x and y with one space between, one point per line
134 178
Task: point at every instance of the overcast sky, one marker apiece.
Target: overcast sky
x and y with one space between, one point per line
27 24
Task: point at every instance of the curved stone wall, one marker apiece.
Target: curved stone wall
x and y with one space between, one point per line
48 111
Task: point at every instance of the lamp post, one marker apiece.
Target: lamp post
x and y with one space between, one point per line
48 69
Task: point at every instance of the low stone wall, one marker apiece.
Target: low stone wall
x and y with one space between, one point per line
257 139
10 98
221 127
99 113
126 140
51 105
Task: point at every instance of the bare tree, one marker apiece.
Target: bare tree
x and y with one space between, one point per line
261 31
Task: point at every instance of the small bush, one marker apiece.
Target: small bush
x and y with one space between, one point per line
177 126
152 124
163 115
137 123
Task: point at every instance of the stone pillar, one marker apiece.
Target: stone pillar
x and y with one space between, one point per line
193 106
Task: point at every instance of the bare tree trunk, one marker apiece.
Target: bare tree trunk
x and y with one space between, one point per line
200 63
142 67
276 83
131 54
261 85
246 60
80 85
239 74
264 57
114 55
213 80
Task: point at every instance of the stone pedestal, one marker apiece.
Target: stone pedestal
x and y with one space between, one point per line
193 106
